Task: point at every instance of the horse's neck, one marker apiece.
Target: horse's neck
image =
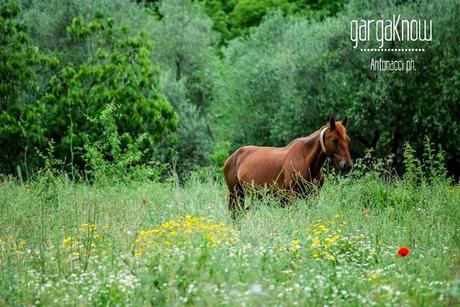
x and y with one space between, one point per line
316 155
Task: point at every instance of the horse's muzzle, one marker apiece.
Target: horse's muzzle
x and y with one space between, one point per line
345 167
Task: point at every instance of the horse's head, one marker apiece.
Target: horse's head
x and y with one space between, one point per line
335 143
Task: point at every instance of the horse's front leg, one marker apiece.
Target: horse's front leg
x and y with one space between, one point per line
288 191
319 180
305 187
287 197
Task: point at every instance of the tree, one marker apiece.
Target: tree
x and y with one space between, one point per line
186 52
119 72
20 60
289 75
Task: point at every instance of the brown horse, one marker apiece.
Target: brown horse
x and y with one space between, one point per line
294 168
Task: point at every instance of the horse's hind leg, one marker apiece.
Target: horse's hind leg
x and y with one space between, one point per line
284 200
236 200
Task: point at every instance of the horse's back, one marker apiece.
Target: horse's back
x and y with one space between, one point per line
255 165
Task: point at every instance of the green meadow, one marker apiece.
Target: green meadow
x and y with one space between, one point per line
159 243
117 116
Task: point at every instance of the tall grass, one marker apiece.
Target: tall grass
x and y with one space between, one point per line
142 243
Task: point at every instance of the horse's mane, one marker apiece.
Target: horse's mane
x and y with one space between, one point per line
315 134
307 139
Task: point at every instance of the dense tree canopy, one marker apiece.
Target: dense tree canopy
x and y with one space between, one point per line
20 62
194 78
288 75
119 71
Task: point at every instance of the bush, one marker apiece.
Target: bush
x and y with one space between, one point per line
106 161
118 72
289 75
20 63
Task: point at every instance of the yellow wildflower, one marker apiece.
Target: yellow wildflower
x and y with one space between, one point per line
182 232
315 242
295 246
67 241
212 240
295 242
372 276
328 256
87 228
21 245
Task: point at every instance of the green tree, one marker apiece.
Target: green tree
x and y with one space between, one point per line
118 72
289 75
20 61
186 52
48 21
185 45
234 18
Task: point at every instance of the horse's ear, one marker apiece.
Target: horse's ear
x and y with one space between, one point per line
332 123
345 122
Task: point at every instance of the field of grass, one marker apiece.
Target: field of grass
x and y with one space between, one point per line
63 243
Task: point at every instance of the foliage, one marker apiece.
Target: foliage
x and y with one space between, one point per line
106 160
185 50
290 74
232 18
118 72
220 154
185 42
246 72
48 22
20 61
249 13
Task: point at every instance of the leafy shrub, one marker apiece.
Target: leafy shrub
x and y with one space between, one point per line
118 72
106 161
289 74
20 63
220 154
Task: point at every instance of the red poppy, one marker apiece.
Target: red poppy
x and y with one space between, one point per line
403 251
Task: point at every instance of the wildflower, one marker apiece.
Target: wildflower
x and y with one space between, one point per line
403 251
183 232
255 289
328 256
318 229
365 211
144 201
281 249
212 240
67 241
331 240
295 242
138 252
295 246
372 276
315 242
21 245
87 228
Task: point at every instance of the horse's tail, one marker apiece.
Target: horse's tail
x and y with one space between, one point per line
231 170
